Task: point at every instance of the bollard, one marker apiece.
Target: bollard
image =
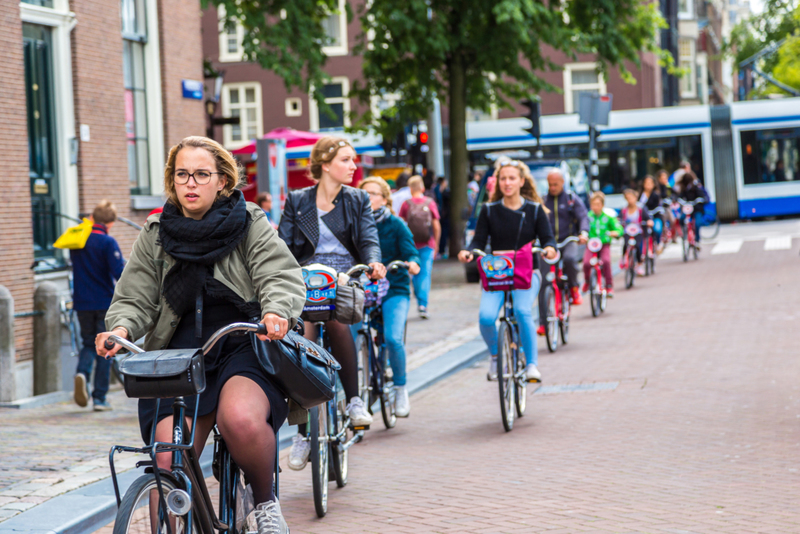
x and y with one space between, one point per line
8 386
46 340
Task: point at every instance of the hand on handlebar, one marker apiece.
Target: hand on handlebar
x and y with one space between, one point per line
550 253
277 327
583 239
378 270
413 267
106 348
465 256
614 234
649 223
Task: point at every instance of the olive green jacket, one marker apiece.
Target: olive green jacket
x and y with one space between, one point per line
260 269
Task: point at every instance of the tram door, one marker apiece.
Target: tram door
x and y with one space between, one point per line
38 50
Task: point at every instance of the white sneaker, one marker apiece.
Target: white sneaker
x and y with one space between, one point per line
532 373
298 455
492 374
401 405
357 411
80 393
270 519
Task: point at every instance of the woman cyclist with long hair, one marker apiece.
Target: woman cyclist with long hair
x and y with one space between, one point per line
332 224
513 218
207 260
397 243
650 198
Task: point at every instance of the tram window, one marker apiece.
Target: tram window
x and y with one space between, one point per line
770 156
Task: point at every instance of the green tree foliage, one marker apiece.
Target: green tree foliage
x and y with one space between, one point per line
778 20
284 36
787 69
474 53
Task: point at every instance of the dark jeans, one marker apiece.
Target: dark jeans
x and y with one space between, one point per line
570 255
92 323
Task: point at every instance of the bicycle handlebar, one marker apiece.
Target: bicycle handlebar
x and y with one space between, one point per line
396 264
567 241
657 211
257 328
694 202
358 269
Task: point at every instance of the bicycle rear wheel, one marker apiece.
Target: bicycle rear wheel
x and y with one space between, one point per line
712 229
505 376
362 357
551 328
136 513
318 427
563 324
685 244
338 459
385 388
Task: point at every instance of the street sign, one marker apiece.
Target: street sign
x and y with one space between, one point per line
192 89
594 108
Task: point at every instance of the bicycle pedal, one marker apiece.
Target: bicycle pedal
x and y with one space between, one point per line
533 380
359 428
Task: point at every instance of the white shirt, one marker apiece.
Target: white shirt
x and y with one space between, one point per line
399 197
328 244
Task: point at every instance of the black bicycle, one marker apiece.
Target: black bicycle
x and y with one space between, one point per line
178 501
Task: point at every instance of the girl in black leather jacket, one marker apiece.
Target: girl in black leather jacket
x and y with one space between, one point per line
332 224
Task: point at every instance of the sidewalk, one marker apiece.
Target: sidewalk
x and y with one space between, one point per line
51 450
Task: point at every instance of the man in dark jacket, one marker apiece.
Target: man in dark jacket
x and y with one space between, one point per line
567 217
96 268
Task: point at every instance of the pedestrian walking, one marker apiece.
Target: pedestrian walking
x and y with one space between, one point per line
402 193
264 201
422 217
96 268
473 188
442 196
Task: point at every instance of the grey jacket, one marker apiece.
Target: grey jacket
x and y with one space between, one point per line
567 215
260 269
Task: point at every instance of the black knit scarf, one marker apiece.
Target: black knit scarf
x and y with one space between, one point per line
198 245
381 214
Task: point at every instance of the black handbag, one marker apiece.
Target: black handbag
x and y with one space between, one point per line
301 369
162 374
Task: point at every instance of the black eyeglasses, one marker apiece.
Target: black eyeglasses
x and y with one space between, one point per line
201 177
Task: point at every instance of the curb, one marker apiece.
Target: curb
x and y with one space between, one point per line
65 514
38 400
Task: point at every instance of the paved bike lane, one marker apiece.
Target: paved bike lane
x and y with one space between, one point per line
694 425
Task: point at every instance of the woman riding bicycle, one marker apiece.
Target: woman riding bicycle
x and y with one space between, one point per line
633 214
397 243
650 198
209 259
604 227
332 224
514 217
691 190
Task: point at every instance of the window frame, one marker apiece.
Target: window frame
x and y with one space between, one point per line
569 87
691 63
313 108
227 130
224 55
341 49
689 13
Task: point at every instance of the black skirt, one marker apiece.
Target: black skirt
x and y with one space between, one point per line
232 356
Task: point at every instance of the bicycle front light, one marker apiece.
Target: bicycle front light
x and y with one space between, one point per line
178 502
593 262
550 276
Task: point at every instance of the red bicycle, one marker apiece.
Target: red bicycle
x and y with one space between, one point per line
632 230
671 229
598 295
689 227
556 298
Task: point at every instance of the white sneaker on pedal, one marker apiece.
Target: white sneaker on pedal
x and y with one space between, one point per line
357 411
298 455
492 374
270 519
401 405
532 373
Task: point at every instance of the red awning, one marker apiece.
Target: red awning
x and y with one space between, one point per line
293 138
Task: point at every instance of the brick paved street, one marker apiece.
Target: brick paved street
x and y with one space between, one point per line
702 433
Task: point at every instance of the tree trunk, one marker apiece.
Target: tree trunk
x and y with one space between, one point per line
457 107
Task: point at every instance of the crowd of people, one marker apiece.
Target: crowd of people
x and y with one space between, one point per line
210 258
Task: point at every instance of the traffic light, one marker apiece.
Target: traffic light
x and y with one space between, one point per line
533 114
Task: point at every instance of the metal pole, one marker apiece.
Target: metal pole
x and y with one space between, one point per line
435 141
46 340
594 169
8 386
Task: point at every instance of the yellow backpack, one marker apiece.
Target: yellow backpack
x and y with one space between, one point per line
75 237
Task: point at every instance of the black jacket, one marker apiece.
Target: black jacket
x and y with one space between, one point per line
511 229
299 226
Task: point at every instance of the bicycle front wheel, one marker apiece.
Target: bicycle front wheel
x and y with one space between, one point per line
505 375
318 427
520 383
595 294
385 387
563 324
140 513
710 231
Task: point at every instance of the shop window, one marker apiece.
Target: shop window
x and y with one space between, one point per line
241 100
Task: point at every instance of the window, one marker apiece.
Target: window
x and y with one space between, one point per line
335 94
335 27
231 37
134 35
771 156
241 100
686 9
294 107
686 61
40 3
581 78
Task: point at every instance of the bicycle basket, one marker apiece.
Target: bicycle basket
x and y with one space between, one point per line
162 374
497 273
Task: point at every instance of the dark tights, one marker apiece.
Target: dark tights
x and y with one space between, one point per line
343 349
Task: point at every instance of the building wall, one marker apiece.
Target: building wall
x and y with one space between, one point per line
181 59
99 103
16 239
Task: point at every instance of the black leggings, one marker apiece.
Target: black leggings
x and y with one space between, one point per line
343 348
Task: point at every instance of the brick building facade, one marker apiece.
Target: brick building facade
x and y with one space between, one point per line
91 101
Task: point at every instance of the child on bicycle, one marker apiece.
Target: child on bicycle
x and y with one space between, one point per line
633 214
603 227
516 204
